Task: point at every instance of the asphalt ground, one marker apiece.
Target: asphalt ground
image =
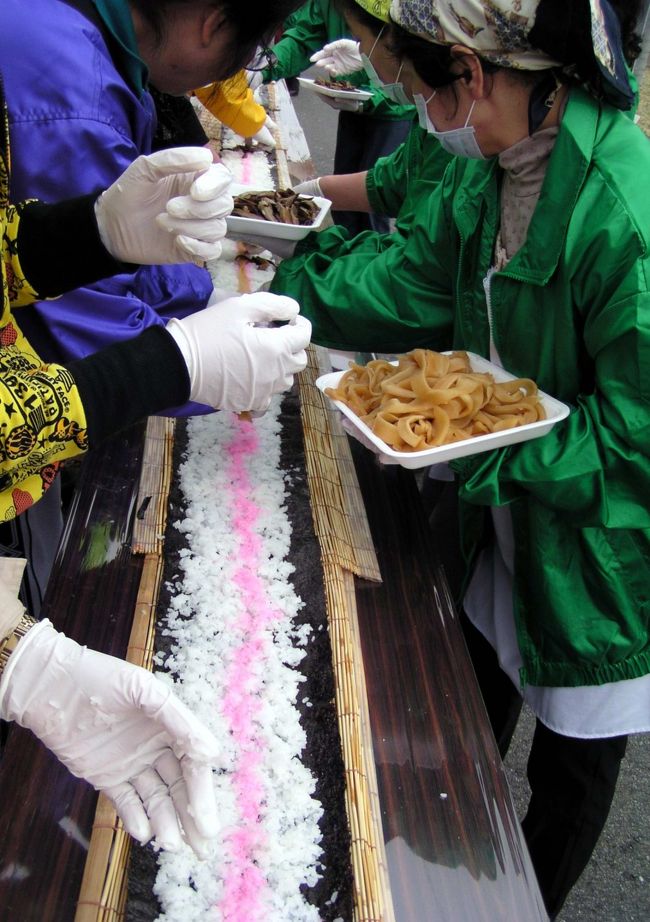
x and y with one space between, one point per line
615 887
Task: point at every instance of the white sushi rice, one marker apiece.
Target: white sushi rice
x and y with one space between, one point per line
204 623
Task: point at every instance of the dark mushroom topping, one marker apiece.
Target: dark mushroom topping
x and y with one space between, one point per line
284 206
336 84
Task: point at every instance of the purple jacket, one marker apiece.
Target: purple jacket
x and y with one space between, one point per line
75 125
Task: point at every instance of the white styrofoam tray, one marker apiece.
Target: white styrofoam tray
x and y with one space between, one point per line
555 411
276 229
356 93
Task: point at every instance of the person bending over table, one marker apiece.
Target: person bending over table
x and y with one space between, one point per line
395 186
90 114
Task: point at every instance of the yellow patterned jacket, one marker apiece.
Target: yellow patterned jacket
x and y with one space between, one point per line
42 421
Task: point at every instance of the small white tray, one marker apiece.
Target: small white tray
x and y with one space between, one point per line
358 94
555 411
276 229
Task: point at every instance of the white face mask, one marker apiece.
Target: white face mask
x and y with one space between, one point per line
461 142
393 91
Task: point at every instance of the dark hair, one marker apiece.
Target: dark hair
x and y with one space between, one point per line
431 62
253 23
357 12
562 29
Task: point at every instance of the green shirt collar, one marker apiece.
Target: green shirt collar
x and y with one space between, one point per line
117 18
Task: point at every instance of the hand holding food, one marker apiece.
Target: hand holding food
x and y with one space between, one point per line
430 399
309 187
343 105
167 207
235 359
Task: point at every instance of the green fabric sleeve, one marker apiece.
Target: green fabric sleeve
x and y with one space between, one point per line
376 293
310 28
387 180
593 466
307 33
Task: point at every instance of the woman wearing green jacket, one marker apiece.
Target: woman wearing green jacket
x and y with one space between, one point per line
363 136
535 252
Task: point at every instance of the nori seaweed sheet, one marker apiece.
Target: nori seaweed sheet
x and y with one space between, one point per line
333 892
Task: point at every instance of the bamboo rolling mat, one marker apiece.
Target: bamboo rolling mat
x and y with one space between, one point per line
347 550
346 545
102 897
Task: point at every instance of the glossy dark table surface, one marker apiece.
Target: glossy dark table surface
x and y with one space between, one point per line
454 847
47 814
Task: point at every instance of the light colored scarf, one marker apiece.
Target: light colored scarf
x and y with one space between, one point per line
497 30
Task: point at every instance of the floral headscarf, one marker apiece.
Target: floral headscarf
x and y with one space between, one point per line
495 29
499 31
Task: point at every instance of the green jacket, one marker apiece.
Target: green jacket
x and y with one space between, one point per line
313 25
572 311
396 185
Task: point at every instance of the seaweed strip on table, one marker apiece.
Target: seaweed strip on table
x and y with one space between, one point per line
332 894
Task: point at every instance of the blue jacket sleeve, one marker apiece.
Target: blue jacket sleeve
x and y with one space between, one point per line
59 158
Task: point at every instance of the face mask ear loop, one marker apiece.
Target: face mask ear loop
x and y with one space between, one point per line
375 42
427 101
399 72
469 114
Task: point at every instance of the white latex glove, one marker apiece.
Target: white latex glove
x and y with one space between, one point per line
122 730
167 207
309 187
266 135
235 359
339 58
342 105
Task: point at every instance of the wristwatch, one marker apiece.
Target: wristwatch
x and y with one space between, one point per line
10 643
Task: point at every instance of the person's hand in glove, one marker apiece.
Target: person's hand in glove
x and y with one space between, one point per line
266 135
122 730
167 207
309 187
341 104
339 58
235 358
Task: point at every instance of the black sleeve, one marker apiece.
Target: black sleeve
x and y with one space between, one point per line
59 246
130 380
